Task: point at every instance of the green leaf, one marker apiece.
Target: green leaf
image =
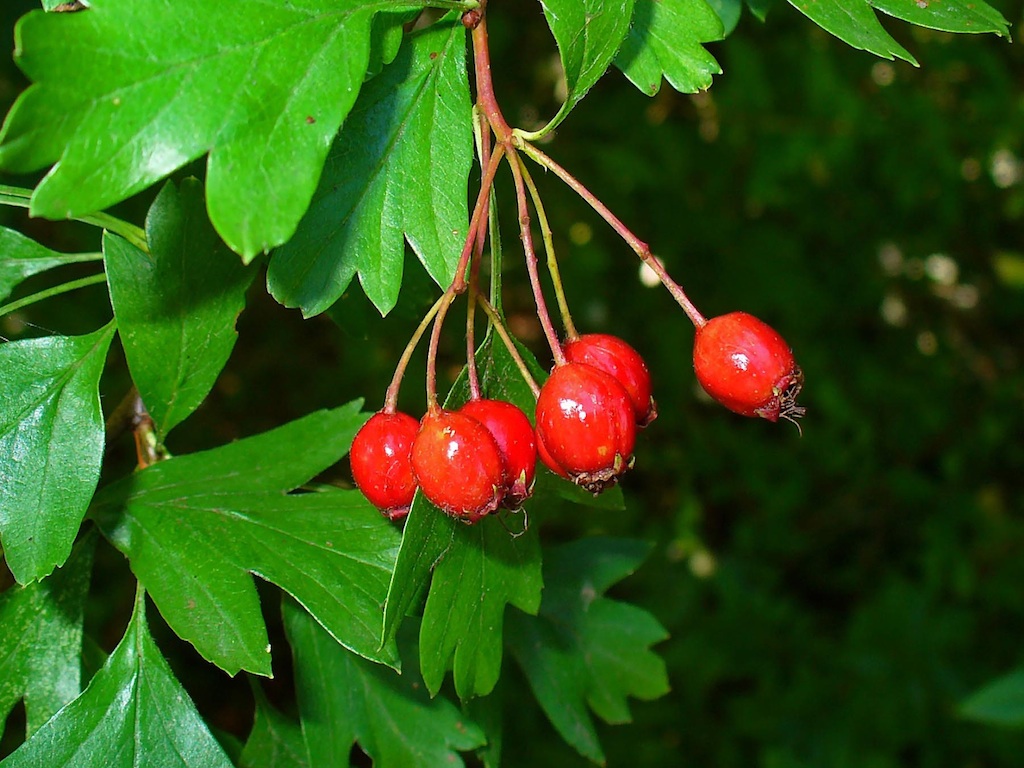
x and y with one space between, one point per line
41 640
51 445
398 171
854 22
485 569
1001 702
584 649
275 741
474 571
344 699
947 15
133 713
21 257
176 306
588 34
729 12
131 90
195 527
386 37
665 41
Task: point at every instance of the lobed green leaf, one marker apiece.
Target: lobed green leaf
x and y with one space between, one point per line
665 42
398 171
21 257
473 571
343 699
128 91
588 34
41 640
195 527
275 741
854 22
51 445
583 649
134 712
176 306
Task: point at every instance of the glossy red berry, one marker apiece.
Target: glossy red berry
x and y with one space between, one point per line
618 359
748 367
381 458
585 426
458 465
513 434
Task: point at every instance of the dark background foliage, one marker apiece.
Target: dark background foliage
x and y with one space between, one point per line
831 598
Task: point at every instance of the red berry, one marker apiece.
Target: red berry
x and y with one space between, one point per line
381 459
585 426
458 465
747 366
513 434
619 360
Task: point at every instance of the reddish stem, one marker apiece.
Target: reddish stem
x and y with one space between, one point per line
484 84
459 282
526 235
639 246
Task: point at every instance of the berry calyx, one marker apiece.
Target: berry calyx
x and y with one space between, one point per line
458 465
748 367
619 360
585 426
381 459
513 434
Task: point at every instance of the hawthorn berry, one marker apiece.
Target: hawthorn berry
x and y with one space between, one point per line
585 426
748 367
381 458
619 360
513 434
458 465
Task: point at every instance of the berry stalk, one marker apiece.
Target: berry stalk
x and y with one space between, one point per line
459 282
502 331
639 246
549 250
391 395
526 235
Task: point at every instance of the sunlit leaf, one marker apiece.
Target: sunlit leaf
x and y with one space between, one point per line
588 34
131 90
51 445
665 41
398 171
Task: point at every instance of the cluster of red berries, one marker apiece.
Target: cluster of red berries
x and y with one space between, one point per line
481 457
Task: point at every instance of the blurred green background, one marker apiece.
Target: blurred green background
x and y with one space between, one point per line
831 598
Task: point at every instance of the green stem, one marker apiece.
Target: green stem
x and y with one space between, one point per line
499 326
22 198
391 396
639 246
56 290
526 236
549 249
453 5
